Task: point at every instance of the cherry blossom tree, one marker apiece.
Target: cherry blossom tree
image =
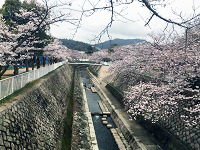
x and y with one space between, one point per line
100 56
55 51
14 41
167 72
75 54
151 101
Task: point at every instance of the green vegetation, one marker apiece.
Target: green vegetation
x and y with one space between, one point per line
68 121
76 45
116 42
8 11
11 7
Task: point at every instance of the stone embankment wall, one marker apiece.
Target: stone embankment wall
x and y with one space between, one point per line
81 134
35 119
190 135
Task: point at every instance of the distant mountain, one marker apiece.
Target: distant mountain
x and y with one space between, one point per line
76 45
108 44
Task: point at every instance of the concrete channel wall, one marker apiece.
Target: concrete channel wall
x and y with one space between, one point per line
35 118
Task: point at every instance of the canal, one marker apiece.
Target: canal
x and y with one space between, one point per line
104 136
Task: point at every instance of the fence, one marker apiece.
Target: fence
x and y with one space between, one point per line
9 85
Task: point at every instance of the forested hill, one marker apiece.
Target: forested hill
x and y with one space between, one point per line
109 43
76 45
80 46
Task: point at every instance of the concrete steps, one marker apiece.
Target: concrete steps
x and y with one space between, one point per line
103 108
118 140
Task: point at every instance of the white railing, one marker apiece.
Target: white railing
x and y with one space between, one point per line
10 85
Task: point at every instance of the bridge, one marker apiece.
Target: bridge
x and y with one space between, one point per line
84 63
87 64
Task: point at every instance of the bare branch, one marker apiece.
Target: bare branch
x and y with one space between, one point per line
149 20
146 3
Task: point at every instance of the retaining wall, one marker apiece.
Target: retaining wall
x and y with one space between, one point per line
94 69
190 135
35 119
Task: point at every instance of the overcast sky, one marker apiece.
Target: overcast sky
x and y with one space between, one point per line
122 28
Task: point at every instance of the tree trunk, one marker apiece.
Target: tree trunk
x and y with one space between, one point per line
27 66
3 70
186 39
56 60
44 61
16 70
33 62
38 62
50 60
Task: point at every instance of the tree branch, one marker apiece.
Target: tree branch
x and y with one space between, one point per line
146 3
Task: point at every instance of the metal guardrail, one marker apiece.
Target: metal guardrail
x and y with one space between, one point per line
12 84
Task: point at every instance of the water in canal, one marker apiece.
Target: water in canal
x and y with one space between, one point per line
104 137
